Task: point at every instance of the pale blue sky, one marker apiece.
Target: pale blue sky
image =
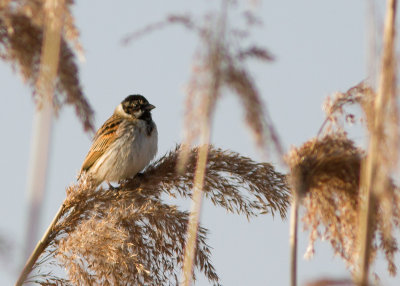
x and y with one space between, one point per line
320 47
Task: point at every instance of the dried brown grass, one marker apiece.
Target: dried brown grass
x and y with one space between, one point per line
21 36
336 115
45 86
385 153
326 172
382 157
220 64
381 114
336 108
108 236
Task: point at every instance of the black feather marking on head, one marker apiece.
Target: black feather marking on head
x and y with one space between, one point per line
133 103
136 105
136 98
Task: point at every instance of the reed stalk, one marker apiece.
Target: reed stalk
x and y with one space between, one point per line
369 172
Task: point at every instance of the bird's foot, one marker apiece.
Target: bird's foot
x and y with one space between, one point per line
139 175
111 187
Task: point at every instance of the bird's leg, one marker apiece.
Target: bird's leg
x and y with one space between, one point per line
111 186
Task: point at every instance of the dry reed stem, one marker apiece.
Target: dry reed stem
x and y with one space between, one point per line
194 218
384 197
293 238
198 183
45 86
207 98
374 176
184 20
216 68
221 51
39 248
220 63
129 234
325 174
219 57
21 36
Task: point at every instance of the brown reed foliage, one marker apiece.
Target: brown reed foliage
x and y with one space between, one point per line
327 173
220 63
21 36
335 107
363 96
108 236
382 157
336 114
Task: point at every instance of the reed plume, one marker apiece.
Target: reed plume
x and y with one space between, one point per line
220 64
21 36
108 236
327 172
382 156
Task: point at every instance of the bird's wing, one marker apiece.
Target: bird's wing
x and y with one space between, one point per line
104 137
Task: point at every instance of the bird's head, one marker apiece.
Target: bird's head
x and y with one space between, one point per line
136 107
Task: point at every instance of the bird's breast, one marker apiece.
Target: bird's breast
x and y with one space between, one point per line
130 153
138 146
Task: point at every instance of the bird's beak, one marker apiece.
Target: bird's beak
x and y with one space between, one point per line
149 106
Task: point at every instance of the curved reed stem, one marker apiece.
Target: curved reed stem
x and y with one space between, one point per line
369 181
40 247
293 240
193 225
50 55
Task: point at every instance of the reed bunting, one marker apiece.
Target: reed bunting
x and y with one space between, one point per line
125 144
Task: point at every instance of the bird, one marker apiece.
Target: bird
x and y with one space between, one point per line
124 145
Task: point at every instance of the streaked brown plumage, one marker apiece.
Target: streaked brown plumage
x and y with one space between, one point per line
124 144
